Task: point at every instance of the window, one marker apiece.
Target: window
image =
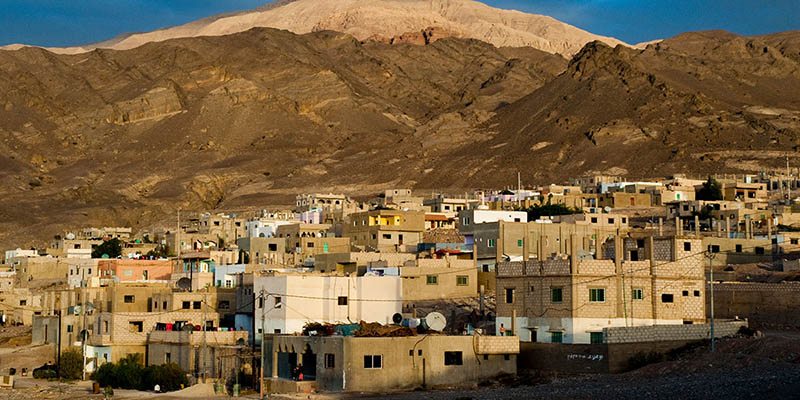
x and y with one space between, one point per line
597 295
794 241
69 328
509 295
759 250
432 279
491 243
135 326
519 242
186 305
277 303
596 337
466 220
373 362
611 220
685 293
637 294
738 248
556 295
164 305
167 358
533 335
556 337
667 298
462 280
224 305
23 302
687 246
310 244
532 288
273 247
128 299
196 305
453 358
594 220
387 235
342 300
330 360
714 248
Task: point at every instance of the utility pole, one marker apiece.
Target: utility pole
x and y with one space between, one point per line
178 236
263 316
58 343
205 325
84 334
710 256
519 190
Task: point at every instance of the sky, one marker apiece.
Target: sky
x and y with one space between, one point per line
77 22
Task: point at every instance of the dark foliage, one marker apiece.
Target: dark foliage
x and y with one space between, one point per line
111 247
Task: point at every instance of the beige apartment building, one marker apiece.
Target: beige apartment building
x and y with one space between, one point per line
632 282
385 230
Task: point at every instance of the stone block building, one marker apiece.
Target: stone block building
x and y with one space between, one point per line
631 282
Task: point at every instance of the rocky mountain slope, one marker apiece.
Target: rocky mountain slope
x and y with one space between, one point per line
123 136
700 102
417 21
245 120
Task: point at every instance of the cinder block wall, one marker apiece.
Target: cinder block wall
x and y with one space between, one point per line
765 305
656 333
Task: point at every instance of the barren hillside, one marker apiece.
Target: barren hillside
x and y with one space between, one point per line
124 136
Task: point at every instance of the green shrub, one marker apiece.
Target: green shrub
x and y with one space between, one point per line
71 364
129 373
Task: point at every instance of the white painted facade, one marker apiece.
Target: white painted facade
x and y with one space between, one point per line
294 300
476 216
573 330
265 227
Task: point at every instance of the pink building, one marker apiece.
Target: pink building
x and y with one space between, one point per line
135 270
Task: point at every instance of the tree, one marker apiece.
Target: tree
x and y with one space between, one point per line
71 365
112 248
161 251
548 209
710 191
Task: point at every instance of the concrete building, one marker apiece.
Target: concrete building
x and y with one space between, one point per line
437 279
264 250
385 230
292 300
632 282
135 270
381 364
185 348
352 262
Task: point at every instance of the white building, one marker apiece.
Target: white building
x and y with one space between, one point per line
292 300
478 216
20 253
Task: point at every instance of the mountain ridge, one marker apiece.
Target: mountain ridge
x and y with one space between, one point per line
376 20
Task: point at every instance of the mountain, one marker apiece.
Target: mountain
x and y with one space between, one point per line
122 137
701 102
253 118
382 20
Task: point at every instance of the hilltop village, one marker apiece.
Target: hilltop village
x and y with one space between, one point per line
407 290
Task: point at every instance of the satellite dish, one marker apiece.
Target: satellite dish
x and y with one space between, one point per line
435 321
70 236
607 209
397 318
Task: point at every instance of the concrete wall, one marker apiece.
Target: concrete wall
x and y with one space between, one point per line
765 305
657 333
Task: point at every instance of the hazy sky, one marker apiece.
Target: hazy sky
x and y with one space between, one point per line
74 22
